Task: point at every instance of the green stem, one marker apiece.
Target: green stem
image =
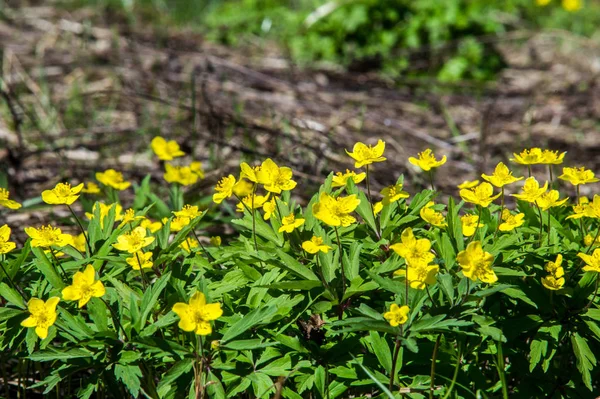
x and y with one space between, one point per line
501 373
395 358
58 263
548 226
551 175
433 360
87 241
529 170
141 271
116 321
501 211
594 296
430 173
11 282
541 224
371 203
479 208
339 242
455 375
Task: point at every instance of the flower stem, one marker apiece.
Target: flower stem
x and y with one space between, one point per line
141 271
430 173
455 376
199 368
115 319
501 211
433 360
12 283
337 235
58 263
371 203
395 357
501 373
87 241
541 224
548 226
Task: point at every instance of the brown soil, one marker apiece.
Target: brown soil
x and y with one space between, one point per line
85 92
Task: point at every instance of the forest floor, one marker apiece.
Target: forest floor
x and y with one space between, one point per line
84 92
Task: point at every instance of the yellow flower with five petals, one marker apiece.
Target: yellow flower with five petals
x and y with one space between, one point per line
47 236
366 155
393 193
340 179
481 195
476 263
289 223
275 179
133 241
531 190
314 245
197 315
501 176
335 211
397 315
6 202
84 287
5 245
166 150
42 315
112 178
578 176
427 160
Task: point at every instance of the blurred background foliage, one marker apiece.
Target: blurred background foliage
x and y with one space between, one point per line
450 39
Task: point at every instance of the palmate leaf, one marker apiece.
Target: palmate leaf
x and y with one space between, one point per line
586 361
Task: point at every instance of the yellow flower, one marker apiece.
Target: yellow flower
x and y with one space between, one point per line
179 174
47 236
501 176
397 315
589 240
140 260
85 286
335 211
5 245
419 275
482 194
249 172
532 156
197 315
412 250
215 345
577 176
7 203
188 245
129 217
550 200
42 315
377 207
468 184
592 262
555 280
289 223
224 189
196 168
531 190
133 241
510 221
431 216
243 188
259 202
78 242
427 161
476 263
393 193
150 225
572 5
552 282
269 207
366 155
585 209
274 178
314 245
166 150
340 179
470 223
552 157
188 211
91 188
112 178
215 241
556 266
178 223
104 210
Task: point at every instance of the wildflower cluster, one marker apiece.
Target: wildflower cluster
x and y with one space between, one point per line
349 295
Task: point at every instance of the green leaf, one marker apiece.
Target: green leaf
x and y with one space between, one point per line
151 297
258 316
294 285
55 354
291 264
375 380
12 296
517 293
43 264
382 350
585 358
130 375
174 373
262 228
